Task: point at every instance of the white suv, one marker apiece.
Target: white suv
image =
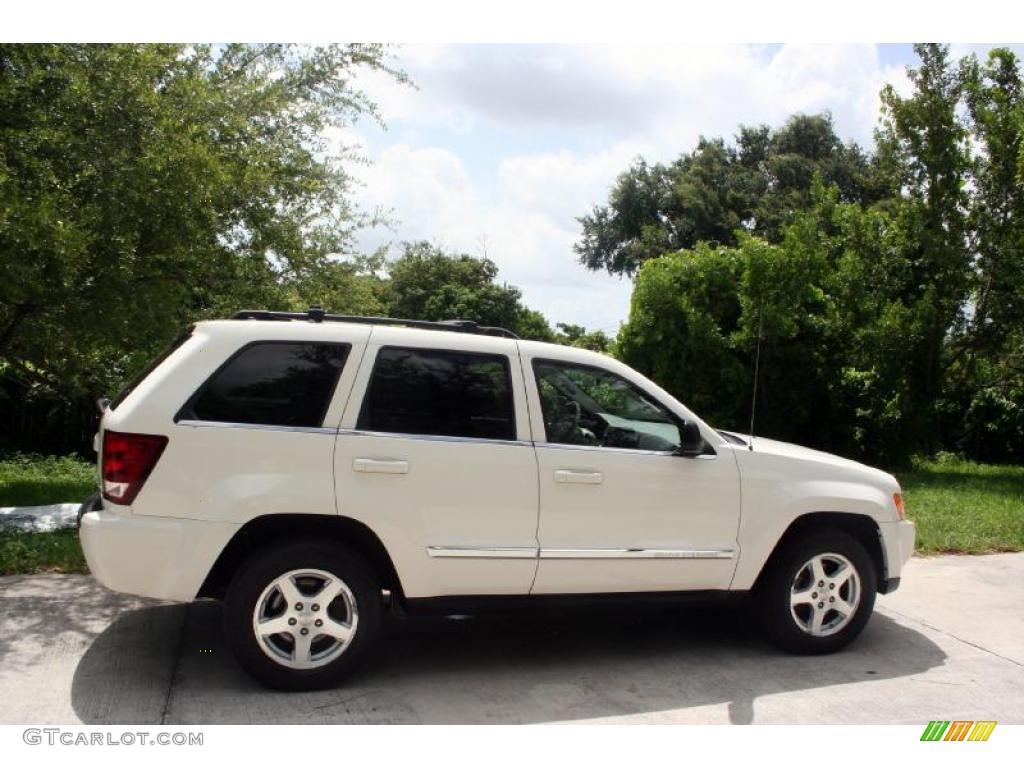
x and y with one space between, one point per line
314 470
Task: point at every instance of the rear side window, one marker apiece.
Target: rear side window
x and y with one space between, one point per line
439 392
274 383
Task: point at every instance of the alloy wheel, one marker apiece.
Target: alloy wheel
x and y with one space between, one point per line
305 618
825 594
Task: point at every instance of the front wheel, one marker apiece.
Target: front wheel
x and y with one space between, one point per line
818 593
303 616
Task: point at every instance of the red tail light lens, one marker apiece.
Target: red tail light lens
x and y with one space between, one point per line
127 461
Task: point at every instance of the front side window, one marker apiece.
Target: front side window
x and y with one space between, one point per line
439 392
584 405
274 383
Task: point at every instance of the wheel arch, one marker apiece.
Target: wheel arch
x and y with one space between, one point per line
263 531
862 527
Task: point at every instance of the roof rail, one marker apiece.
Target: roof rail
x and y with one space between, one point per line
318 315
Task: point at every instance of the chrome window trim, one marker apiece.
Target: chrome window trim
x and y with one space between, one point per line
616 449
431 438
266 427
626 553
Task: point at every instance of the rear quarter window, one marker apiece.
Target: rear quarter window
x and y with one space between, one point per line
273 383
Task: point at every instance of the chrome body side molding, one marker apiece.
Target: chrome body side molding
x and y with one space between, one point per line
581 554
515 553
636 553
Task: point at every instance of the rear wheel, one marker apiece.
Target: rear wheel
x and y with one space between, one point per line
818 593
303 616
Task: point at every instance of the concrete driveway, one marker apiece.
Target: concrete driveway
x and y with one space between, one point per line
948 645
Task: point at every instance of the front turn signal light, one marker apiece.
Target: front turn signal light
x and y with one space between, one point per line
897 499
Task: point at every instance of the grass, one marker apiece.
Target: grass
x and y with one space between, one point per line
28 480
56 552
965 507
959 506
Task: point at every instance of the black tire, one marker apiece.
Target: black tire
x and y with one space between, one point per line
774 590
263 568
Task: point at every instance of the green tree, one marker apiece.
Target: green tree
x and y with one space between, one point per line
821 305
887 290
531 324
718 190
924 143
577 336
984 412
428 283
144 186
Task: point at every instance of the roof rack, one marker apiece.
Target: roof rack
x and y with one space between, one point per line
318 315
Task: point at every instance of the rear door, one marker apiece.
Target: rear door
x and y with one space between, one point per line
434 455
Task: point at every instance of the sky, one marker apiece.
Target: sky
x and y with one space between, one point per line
499 148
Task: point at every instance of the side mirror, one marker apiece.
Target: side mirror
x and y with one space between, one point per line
691 442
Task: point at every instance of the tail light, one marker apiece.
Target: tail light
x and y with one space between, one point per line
127 461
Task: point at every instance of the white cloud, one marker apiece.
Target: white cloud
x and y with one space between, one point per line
432 193
564 184
502 147
959 50
628 91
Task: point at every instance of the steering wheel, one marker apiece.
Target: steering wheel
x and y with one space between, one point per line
574 408
565 424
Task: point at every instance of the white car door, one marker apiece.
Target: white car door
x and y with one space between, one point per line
620 509
434 455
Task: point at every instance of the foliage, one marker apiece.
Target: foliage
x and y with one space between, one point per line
577 336
144 186
28 480
55 552
426 283
924 143
888 325
718 189
983 408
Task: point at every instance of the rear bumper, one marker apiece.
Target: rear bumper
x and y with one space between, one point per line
898 541
162 557
92 504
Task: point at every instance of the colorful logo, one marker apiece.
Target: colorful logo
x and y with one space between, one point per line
958 730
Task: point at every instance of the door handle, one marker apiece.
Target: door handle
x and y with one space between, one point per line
575 476
381 466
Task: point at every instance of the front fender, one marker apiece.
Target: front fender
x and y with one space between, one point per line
769 509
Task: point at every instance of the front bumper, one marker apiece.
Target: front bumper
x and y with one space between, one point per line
162 557
898 542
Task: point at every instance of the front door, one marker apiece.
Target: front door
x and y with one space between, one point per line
620 510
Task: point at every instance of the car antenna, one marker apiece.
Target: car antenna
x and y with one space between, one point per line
757 370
